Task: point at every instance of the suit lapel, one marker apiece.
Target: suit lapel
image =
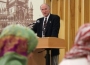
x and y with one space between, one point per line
41 23
48 23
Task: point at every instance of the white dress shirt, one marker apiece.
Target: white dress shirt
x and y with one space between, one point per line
46 22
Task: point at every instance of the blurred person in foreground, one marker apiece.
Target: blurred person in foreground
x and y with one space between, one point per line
16 43
80 52
48 26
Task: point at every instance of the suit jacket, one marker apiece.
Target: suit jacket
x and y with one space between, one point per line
52 29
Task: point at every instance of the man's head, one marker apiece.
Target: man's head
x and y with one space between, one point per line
45 9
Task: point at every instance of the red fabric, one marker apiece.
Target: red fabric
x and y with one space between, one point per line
13 44
81 46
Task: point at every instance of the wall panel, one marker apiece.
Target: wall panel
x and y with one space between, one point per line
77 14
73 13
54 6
89 11
48 2
86 11
66 20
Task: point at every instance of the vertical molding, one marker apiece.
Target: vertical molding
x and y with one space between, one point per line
54 6
62 25
72 22
89 11
66 22
79 21
86 11
77 14
61 9
64 18
82 12
62 22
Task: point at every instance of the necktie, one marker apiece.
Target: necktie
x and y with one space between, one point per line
44 26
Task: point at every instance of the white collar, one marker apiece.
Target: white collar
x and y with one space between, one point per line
47 17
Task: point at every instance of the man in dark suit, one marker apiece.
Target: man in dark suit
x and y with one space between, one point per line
48 28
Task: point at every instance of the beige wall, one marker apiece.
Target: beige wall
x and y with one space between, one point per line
73 14
36 8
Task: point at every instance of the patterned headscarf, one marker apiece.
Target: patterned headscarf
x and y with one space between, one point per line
17 38
81 46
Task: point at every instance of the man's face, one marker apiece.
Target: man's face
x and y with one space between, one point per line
45 10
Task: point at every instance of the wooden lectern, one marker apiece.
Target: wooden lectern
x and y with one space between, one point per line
45 44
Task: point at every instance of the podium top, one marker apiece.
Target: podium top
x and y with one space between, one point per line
51 42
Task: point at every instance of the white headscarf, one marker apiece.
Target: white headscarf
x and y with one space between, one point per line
81 46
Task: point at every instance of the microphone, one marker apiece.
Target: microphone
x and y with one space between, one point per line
41 51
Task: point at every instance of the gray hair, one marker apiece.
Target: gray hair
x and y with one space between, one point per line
46 5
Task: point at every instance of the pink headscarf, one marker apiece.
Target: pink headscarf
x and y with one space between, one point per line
81 46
